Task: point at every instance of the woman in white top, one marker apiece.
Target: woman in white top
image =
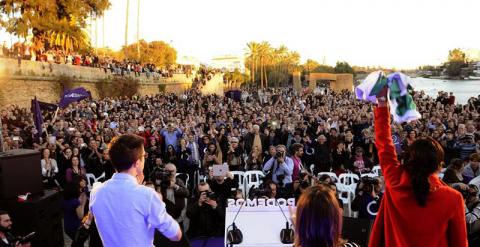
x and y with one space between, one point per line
49 165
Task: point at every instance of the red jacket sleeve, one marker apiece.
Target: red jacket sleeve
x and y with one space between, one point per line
457 226
386 150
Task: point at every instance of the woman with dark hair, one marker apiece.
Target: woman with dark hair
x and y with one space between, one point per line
171 155
418 209
454 171
74 203
318 219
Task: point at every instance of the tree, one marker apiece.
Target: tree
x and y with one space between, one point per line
309 66
324 69
68 36
343 67
273 64
40 17
252 54
456 61
156 52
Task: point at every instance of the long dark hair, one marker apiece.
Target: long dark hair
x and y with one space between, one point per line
423 158
318 218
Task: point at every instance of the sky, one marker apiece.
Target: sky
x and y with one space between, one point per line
400 33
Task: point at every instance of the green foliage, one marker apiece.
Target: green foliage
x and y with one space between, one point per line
324 69
156 52
343 68
456 55
117 87
162 88
456 61
235 78
42 17
262 59
309 66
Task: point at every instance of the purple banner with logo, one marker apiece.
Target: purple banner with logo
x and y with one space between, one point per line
73 95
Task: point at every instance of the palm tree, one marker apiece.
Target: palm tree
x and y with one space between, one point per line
67 35
264 54
252 54
126 30
138 29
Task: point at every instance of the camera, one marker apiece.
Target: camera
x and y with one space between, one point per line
160 177
279 155
210 195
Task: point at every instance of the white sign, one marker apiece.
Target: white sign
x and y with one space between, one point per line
260 220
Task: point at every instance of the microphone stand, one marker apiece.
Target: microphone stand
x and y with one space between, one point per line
234 227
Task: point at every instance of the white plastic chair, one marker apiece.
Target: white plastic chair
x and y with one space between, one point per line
183 176
239 176
346 194
370 175
441 175
377 170
253 178
475 181
348 179
331 174
312 166
90 180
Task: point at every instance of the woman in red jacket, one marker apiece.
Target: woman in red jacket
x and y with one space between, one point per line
418 209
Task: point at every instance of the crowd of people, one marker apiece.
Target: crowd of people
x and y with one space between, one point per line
108 64
291 137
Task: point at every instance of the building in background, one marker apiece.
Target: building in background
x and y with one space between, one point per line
228 63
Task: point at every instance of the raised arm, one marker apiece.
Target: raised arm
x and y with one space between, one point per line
384 143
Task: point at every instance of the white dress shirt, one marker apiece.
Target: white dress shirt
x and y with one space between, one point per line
127 214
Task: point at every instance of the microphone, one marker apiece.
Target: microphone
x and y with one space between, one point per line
287 234
235 236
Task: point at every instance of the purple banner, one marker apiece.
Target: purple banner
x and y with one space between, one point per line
73 95
37 118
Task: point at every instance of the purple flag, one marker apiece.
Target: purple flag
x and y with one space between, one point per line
73 95
37 118
44 106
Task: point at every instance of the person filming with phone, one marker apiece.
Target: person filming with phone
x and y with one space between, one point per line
207 217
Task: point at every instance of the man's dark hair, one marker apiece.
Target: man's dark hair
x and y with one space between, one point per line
125 150
3 212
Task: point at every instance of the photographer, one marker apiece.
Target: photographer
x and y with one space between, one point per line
6 237
368 197
234 156
472 204
223 187
280 167
173 190
207 217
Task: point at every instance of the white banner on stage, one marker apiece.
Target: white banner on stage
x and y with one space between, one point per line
260 220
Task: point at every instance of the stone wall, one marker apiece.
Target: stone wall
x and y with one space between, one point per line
19 91
18 85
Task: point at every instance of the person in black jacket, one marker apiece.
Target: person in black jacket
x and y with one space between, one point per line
322 155
223 187
207 216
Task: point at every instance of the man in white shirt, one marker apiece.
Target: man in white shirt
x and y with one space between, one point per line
127 212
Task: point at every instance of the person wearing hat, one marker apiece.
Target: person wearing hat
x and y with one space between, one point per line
466 146
472 204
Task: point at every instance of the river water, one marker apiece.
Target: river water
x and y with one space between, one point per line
462 89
